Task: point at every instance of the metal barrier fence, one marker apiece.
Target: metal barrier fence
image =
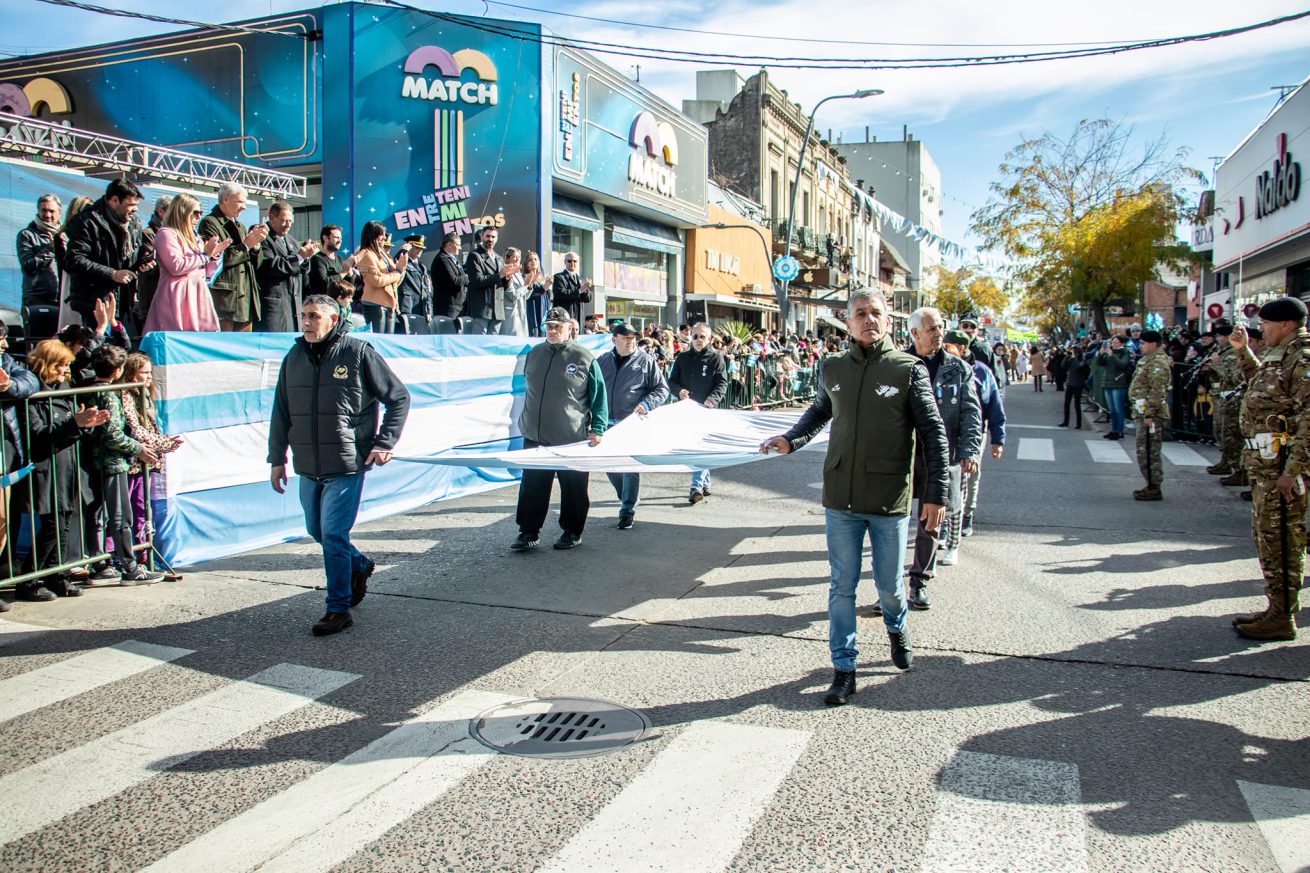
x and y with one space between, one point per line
65 480
765 382
1191 404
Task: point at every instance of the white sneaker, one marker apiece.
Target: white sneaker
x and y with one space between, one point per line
949 558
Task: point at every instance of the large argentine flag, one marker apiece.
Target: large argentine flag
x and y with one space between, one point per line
216 391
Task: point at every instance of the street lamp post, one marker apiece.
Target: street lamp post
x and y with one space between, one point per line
796 186
768 255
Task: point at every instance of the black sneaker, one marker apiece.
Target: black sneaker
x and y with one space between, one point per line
705 491
33 592
841 689
525 543
696 496
104 574
64 588
331 623
4 605
625 522
139 576
902 654
918 598
359 582
568 540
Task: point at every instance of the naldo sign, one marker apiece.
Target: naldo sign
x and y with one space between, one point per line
1280 186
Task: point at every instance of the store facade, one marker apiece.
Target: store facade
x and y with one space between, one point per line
1261 230
728 272
628 181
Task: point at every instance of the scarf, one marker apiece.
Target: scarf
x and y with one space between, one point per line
120 227
45 228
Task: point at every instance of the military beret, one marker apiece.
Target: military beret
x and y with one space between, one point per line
957 337
1283 309
1150 336
1223 330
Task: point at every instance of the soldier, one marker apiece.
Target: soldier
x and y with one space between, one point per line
1146 398
1275 422
1227 381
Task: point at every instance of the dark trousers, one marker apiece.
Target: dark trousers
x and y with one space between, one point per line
1075 396
534 498
118 517
51 540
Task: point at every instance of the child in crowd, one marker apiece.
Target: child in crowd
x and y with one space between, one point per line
139 415
114 452
59 486
345 296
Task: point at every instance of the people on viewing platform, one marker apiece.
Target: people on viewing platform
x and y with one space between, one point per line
106 251
281 266
235 290
181 299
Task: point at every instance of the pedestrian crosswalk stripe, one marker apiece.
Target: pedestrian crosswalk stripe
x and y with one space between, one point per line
48 685
997 813
1183 456
60 785
320 822
1036 449
16 631
1283 815
1107 452
693 805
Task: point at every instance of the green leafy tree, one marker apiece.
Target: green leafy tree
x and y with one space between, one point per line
964 290
1088 218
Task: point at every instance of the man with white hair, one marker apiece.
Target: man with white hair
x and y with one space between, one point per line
235 289
961 414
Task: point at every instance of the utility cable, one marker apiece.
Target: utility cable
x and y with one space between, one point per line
162 19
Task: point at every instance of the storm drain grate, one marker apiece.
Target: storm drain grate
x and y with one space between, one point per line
559 727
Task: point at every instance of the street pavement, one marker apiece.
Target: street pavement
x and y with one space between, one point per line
1078 702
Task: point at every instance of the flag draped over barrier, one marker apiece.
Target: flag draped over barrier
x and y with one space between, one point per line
677 438
216 391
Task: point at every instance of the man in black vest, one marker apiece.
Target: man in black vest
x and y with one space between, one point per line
325 409
564 402
569 290
488 277
450 283
280 269
880 404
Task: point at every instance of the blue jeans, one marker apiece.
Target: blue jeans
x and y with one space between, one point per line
846 535
331 505
1116 398
627 486
700 480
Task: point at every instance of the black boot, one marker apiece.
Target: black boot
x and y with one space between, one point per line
902 654
918 597
843 686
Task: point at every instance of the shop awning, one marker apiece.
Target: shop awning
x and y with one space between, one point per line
736 302
572 212
896 256
643 234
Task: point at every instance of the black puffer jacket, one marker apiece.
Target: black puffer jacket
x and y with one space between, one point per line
702 373
97 248
325 407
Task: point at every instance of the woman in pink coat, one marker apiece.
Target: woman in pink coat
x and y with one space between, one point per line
182 299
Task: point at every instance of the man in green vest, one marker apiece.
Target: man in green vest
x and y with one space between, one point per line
880 402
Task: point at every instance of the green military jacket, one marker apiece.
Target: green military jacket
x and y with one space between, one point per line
234 289
1277 401
1226 371
1150 384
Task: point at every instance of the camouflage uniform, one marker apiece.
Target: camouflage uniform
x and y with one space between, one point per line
1277 401
1228 382
1146 399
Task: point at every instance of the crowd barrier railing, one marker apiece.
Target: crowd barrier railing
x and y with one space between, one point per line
78 524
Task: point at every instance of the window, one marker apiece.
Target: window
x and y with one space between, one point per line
775 194
640 274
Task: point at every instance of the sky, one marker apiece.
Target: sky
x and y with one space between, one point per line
1202 97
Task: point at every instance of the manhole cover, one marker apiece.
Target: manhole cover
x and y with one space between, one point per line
559 727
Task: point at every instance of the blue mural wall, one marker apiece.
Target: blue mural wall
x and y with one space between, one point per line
444 121
244 97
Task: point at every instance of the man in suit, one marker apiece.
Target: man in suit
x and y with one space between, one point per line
280 270
415 291
449 281
488 277
569 290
